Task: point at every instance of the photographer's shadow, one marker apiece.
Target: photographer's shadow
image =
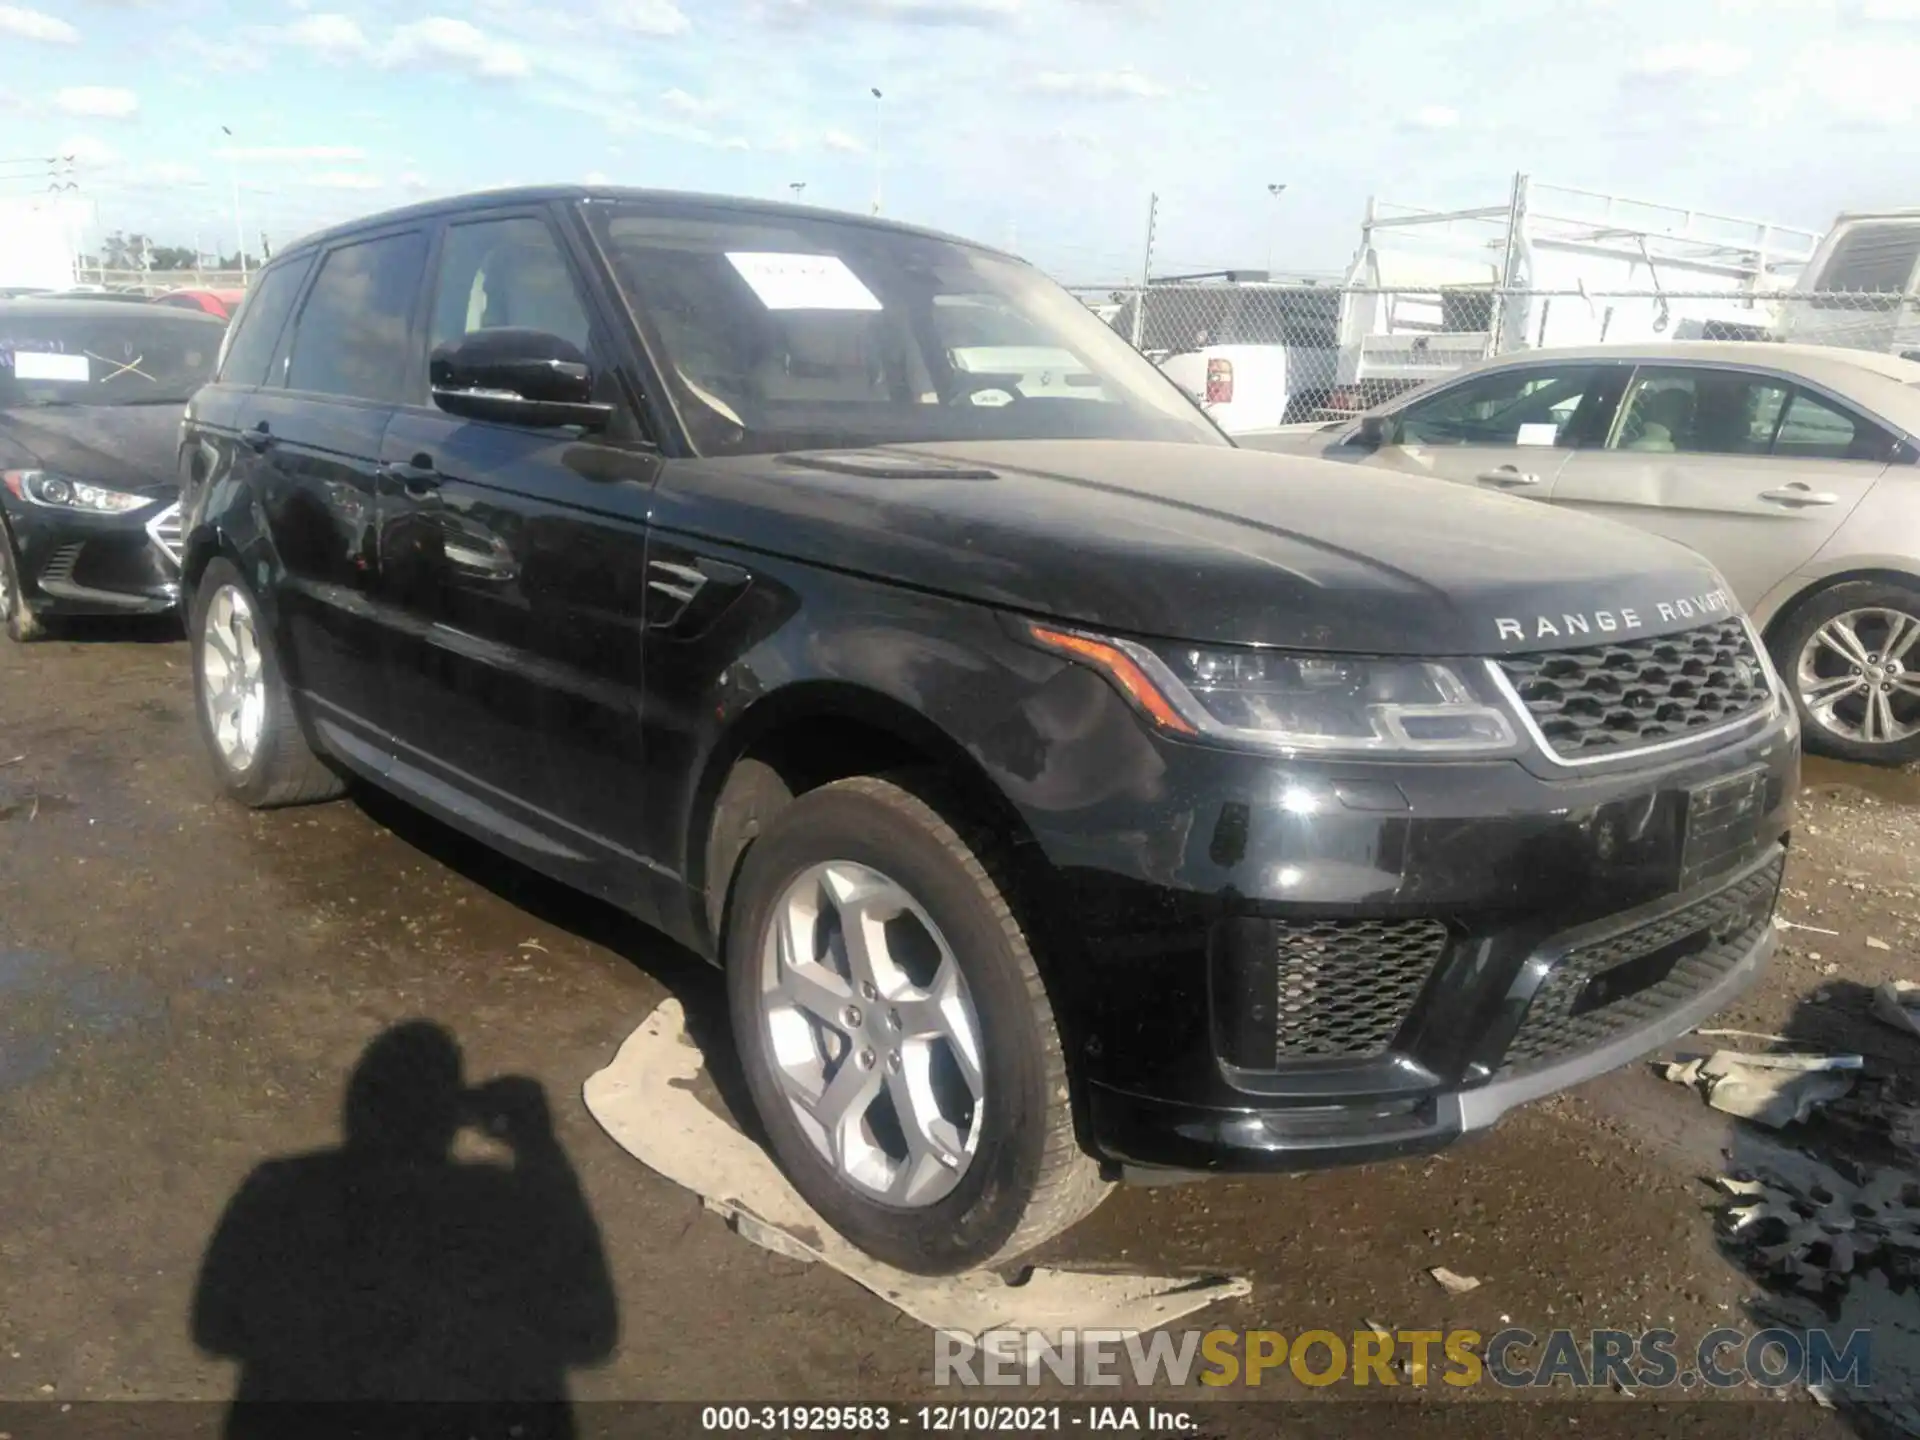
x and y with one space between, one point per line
388 1270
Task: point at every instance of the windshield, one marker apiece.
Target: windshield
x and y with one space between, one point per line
784 332
131 358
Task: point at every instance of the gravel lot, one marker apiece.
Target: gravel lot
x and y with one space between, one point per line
185 988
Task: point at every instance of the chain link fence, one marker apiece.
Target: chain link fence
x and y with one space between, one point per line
1261 354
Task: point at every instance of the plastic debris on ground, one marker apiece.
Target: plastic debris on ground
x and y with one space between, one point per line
648 1099
1769 1089
1453 1284
1897 1003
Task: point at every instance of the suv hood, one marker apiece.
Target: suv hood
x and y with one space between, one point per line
1205 543
123 447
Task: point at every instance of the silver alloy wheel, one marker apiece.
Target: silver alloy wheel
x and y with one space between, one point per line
872 1033
1860 678
233 677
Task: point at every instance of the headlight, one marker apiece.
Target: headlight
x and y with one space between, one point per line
58 492
1274 700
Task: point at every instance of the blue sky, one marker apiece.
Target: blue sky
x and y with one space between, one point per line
1039 124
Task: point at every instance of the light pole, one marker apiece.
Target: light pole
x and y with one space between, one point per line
879 150
239 230
796 186
1276 191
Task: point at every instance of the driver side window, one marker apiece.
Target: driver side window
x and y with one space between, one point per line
1532 405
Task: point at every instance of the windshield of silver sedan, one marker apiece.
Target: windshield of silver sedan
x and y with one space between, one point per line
793 333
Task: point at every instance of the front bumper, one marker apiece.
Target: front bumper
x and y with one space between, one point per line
74 563
1320 963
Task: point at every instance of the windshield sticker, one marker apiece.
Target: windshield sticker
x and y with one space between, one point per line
43 365
992 399
802 282
1547 434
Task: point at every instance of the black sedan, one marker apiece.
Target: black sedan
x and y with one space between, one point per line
91 395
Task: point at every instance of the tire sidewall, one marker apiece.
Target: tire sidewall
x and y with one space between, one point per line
251 784
17 618
1792 639
970 1224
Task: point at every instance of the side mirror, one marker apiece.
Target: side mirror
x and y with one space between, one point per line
1373 432
516 377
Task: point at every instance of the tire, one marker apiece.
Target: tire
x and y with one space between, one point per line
1018 1175
278 767
1811 651
22 625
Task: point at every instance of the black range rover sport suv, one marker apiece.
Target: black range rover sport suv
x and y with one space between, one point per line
1069 795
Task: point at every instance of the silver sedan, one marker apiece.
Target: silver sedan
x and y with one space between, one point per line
1794 469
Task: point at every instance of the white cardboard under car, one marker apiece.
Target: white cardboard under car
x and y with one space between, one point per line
647 1102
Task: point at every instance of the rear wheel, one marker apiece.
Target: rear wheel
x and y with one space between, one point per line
1852 656
21 623
899 1045
245 709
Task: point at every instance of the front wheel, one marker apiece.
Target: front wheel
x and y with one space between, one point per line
1851 658
16 616
244 705
895 1034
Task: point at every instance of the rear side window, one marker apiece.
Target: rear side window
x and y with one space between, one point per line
1815 430
257 327
351 338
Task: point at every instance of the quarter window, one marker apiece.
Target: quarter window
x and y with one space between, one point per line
351 338
1530 406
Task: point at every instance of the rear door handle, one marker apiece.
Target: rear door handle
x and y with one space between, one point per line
1798 495
1509 476
259 439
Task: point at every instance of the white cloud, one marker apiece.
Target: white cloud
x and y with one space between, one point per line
86 151
645 17
597 177
443 40
97 102
736 142
292 152
1101 85
1434 117
843 142
1864 85
1696 59
204 56
171 172
343 180
692 106
36 25
636 17
413 182
330 36
899 12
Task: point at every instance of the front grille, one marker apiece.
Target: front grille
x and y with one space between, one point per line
165 530
1606 699
1730 920
1317 989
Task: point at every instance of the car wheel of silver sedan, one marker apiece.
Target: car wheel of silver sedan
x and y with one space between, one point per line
1852 658
895 1035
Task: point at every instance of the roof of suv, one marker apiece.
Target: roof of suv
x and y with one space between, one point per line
39 307
548 194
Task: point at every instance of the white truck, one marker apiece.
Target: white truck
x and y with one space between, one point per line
39 238
1431 290
1862 287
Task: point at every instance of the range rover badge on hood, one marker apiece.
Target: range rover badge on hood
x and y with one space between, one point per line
1613 622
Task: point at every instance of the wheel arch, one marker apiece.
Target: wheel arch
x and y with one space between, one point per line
808 734
1789 608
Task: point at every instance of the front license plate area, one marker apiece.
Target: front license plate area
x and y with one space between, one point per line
1722 819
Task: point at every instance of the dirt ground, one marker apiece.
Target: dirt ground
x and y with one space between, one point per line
185 988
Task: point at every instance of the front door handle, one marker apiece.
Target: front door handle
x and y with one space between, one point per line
1799 495
259 439
416 479
1507 477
